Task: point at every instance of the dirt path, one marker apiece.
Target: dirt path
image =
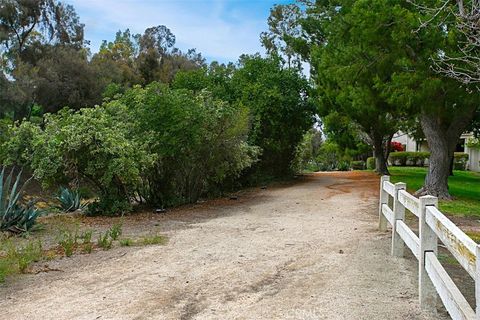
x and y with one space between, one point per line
307 251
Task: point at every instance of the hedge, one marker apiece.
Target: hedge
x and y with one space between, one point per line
358 165
371 163
420 159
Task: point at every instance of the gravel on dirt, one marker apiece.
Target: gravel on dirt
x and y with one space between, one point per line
310 250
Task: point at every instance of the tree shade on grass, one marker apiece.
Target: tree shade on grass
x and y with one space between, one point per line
464 186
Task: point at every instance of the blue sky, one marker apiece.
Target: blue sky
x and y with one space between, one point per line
220 29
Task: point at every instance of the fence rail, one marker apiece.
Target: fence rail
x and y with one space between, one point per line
433 226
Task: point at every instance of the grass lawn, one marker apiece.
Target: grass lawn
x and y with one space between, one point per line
464 186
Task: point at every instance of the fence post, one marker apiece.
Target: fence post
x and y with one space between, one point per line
428 243
398 214
477 284
382 221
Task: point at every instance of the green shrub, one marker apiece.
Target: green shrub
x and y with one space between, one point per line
358 165
405 158
14 216
152 144
371 163
343 166
460 160
108 206
419 159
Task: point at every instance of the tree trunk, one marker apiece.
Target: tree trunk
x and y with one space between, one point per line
442 137
379 154
441 151
452 161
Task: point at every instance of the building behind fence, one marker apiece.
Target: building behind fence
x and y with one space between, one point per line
433 280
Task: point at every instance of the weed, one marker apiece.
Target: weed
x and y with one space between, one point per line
87 241
18 259
127 242
68 241
115 231
31 252
86 236
156 239
105 241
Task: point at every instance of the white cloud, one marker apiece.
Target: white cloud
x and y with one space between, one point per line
208 26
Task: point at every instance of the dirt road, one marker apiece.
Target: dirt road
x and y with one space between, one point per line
307 251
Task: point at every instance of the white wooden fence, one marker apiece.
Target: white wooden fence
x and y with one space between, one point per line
433 226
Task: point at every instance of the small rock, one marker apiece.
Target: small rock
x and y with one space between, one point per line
233 198
340 251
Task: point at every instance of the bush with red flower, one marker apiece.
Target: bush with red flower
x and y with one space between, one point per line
396 146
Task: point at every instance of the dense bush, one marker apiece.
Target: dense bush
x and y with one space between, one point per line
358 165
371 163
153 144
420 159
460 161
396 146
408 158
343 166
198 143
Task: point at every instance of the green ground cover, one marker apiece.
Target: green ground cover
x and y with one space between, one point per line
464 186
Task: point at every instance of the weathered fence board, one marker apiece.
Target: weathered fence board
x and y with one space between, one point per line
411 203
433 226
456 305
458 243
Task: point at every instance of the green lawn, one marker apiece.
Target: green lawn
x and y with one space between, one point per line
464 186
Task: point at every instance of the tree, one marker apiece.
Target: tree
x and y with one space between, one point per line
144 58
284 29
24 22
280 109
115 61
352 53
460 18
65 78
30 31
445 108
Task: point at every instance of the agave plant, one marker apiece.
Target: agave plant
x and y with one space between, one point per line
14 216
70 200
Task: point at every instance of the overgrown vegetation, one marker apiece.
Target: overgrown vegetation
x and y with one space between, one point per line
16 259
